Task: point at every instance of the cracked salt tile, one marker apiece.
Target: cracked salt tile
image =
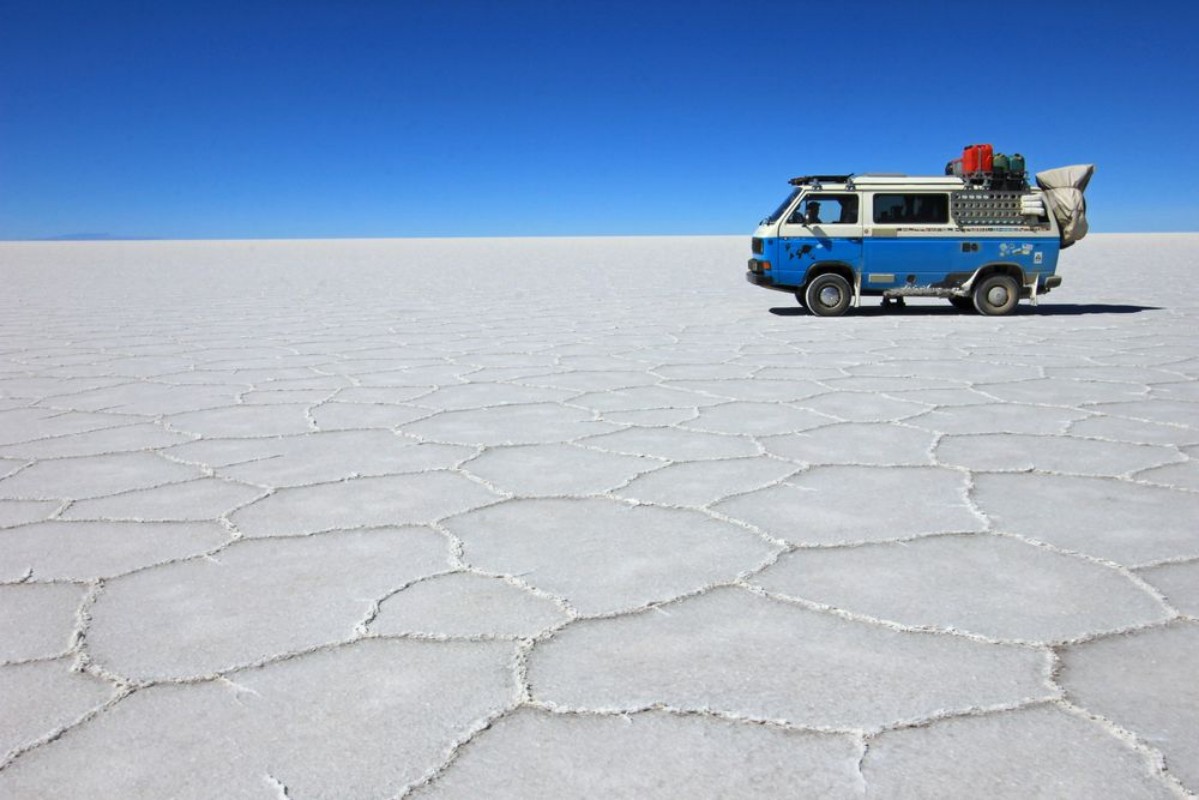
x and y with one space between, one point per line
274 397
673 373
1065 454
702 482
988 585
415 377
1144 682
127 438
382 394
1148 357
415 499
505 357
413 356
727 650
93 476
537 423
756 419
1062 392
1170 412
654 418
206 498
892 384
481 395
1124 522
673 444
1188 391
223 452
149 398
145 366
862 407
599 363
840 505
36 619
875 444
952 367
361 721
27 424
1130 374
1136 431
38 699
557 469
1009 755
247 421
325 383
603 556
318 457
661 755
464 604
800 374
88 550
26 387
754 390
1179 583
945 397
1010 418
253 600
680 354
224 381
642 398
351 416
19 512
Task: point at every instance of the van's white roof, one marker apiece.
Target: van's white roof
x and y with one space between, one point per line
935 182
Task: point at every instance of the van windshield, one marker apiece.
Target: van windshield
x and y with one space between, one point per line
782 209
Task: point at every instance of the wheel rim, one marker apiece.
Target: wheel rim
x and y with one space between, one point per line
830 296
997 296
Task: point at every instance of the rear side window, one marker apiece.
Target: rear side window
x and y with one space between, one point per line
911 209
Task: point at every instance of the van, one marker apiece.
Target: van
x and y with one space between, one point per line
838 238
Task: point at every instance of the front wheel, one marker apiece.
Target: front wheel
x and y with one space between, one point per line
996 295
828 295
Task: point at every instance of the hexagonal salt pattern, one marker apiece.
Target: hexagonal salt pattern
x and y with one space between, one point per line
577 517
1040 749
1145 683
531 754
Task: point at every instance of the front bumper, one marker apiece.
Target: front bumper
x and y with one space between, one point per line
765 281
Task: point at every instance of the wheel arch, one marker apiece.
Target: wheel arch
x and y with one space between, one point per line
996 268
842 268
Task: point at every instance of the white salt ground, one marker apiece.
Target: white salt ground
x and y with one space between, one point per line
590 517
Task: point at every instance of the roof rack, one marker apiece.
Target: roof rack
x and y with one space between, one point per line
804 180
937 182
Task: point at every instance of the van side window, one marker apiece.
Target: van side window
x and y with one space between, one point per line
826 209
911 209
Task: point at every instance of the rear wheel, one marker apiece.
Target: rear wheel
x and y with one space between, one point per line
996 295
828 295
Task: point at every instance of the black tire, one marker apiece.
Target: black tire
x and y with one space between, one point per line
828 295
996 295
962 303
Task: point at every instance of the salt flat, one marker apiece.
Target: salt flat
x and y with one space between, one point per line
590 517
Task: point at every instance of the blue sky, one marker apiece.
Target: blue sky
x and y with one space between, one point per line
315 118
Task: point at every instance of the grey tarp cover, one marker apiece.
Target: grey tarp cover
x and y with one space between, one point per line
1064 187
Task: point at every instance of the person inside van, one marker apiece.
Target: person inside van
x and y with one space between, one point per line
813 215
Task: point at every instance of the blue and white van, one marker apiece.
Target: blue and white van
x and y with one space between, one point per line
838 238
